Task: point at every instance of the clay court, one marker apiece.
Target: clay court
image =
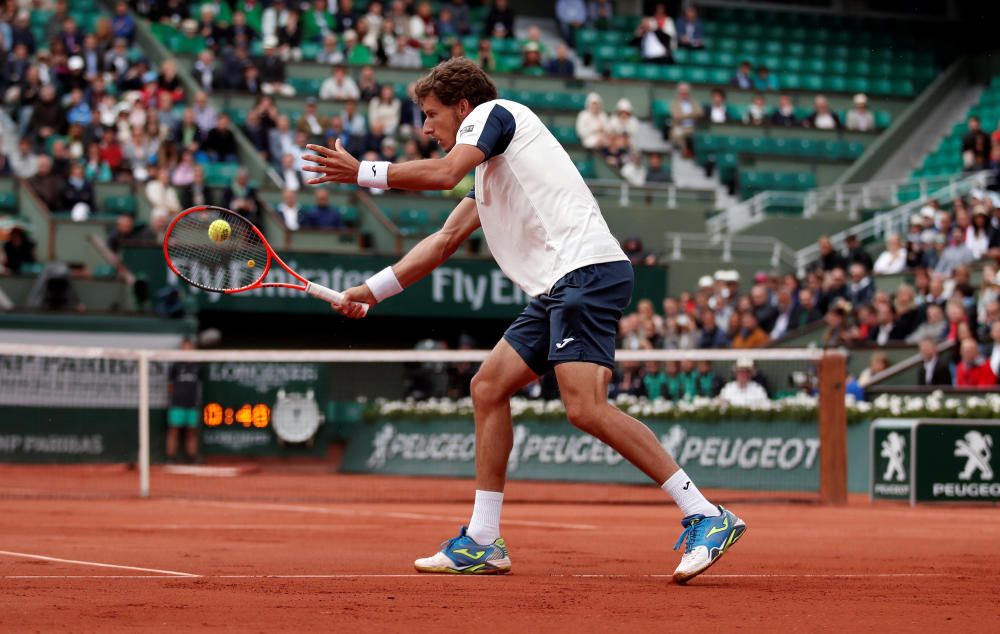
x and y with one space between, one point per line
305 550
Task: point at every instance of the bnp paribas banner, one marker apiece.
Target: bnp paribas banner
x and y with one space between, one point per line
459 288
740 455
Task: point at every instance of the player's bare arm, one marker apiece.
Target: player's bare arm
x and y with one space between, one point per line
426 256
338 166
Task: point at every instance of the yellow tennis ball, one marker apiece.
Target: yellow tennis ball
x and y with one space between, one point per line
219 230
251 263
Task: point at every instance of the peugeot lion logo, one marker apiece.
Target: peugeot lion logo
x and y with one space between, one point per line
894 448
976 448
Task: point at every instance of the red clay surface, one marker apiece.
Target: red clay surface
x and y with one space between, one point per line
299 551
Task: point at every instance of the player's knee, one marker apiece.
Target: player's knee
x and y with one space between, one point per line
584 416
485 389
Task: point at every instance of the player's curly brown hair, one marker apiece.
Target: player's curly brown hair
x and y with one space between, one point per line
456 79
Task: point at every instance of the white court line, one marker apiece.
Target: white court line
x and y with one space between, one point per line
322 510
433 576
97 564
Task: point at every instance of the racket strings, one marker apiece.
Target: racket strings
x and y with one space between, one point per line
224 265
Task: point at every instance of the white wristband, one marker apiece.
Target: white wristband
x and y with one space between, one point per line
374 174
384 284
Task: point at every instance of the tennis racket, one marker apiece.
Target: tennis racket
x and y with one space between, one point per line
218 250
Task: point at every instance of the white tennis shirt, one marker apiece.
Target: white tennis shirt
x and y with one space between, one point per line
538 215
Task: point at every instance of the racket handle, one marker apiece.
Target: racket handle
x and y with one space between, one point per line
329 295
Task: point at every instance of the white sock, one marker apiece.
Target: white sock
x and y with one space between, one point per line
680 487
484 527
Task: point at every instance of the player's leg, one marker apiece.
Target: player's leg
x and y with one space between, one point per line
191 435
709 530
478 548
173 432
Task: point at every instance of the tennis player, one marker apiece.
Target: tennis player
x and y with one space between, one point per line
545 229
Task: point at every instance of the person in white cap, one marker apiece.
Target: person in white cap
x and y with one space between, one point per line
743 391
860 118
592 126
623 122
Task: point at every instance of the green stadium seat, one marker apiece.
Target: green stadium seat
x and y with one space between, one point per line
815 66
902 87
834 84
695 75
795 49
859 69
412 221
117 205
773 48
586 168
220 174
350 216
701 58
858 84
791 81
719 75
881 87
812 83
8 201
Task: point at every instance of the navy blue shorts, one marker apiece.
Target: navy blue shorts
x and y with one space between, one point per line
577 321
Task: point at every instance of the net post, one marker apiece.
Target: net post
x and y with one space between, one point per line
143 424
832 428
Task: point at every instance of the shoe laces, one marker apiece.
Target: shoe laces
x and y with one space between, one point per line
692 532
448 543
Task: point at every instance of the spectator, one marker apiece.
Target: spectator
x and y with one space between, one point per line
272 71
24 162
385 108
205 71
763 310
460 13
126 231
198 192
367 84
422 24
291 172
742 391
310 122
712 336
756 114
330 53
571 15
808 310
718 112
893 259
743 79
973 370
47 185
656 172
828 258
885 325
339 87
616 150
290 37
18 250
934 370
484 56
788 314
220 143
21 33
592 124
123 24
877 363
241 196
322 215
531 60
855 253
685 113
784 114
182 174
689 29
861 289
749 334
623 122
205 115
446 26
499 21
656 37
289 209
860 118
955 254
561 65
78 192
48 116
836 335
822 117
600 13
764 80
162 197
347 18
281 139
96 168
934 327
634 172
977 235
975 147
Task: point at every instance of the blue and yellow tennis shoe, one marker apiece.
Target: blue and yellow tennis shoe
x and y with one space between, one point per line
708 539
463 555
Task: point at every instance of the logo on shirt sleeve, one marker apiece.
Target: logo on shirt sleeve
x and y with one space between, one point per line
467 129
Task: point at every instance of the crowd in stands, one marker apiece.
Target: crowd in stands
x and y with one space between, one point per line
844 291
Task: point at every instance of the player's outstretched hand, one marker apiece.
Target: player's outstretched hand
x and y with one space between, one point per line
336 165
352 297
